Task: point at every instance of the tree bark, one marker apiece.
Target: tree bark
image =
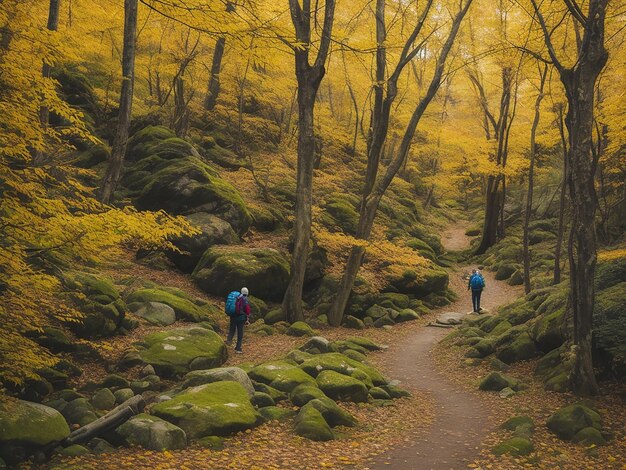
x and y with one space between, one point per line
579 83
116 162
53 25
213 90
309 78
375 186
563 198
531 178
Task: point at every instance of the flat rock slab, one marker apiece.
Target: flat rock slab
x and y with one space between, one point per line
450 318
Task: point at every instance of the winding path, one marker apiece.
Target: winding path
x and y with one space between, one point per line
461 421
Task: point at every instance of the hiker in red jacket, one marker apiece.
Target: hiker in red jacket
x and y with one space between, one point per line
239 319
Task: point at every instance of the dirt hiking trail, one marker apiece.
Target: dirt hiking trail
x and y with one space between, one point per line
461 420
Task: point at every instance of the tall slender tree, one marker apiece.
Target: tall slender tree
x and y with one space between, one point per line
579 82
116 161
543 73
309 78
385 92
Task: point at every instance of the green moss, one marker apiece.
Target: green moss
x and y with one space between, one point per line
589 436
515 422
304 393
505 271
141 143
342 214
280 375
569 420
339 363
185 309
548 330
215 409
521 349
516 446
264 271
496 381
300 328
609 332
211 442
275 413
610 273
393 300
172 352
332 413
311 424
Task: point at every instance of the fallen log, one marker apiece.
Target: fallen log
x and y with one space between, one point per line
114 418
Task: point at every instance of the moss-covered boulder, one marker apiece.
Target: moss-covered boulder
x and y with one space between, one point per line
318 344
212 231
342 364
332 413
156 313
589 436
280 375
342 387
522 348
26 427
569 420
406 314
340 211
495 381
103 399
215 409
276 413
99 301
420 282
176 352
261 400
122 395
276 394
185 308
211 442
185 185
353 322
548 331
516 446
311 424
300 328
153 433
365 343
75 450
393 300
264 271
516 422
274 316
516 279
303 394
234 374
505 271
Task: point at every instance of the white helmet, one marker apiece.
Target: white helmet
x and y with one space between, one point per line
244 291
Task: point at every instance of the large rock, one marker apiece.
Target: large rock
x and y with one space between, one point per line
156 313
317 344
569 420
516 446
79 411
340 363
420 282
304 393
153 433
280 375
215 409
496 381
100 303
311 424
235 374
342 387
185 308
264 271
186 185
332 413
213 231
300 328
522 348
26 427
178 351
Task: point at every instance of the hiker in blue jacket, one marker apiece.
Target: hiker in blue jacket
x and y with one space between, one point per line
238 318
476 284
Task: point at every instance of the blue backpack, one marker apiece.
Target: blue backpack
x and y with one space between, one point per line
231 303
477 282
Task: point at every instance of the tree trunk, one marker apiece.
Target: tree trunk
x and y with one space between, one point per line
53 25
561 230
309 78
214 80
181 111
116 162
375 186
292 302
531 177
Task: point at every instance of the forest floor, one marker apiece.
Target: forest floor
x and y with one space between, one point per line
446 423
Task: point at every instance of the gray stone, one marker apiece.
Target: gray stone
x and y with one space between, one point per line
450 318
316 342
103 399
152 433
234 374
157 313
122 395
